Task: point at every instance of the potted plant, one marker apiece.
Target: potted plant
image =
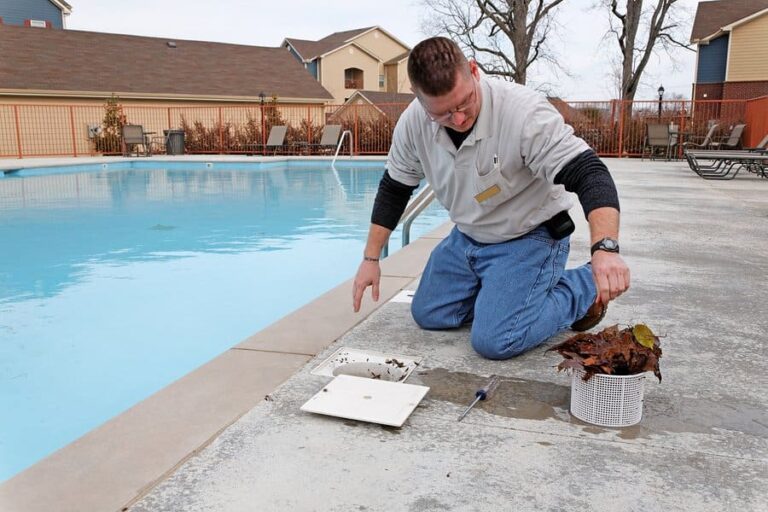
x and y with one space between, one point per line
608 371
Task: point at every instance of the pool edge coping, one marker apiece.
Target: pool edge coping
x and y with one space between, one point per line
11 165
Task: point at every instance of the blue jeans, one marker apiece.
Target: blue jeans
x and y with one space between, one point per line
517 294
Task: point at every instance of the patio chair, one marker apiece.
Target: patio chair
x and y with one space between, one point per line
275 141
329 139
705 143
133 136
657 140
732 141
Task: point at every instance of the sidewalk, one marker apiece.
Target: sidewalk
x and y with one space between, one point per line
697 250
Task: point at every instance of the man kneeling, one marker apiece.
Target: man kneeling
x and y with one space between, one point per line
499 158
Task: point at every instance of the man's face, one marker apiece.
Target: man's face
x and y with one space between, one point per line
459 108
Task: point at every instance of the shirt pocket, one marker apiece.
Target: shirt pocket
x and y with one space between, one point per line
490 187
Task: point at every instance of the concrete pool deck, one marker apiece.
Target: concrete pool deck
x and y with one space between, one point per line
697 253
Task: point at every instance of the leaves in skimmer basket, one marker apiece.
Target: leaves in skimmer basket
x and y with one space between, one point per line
612 351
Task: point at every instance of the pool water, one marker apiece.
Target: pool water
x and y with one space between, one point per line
115 283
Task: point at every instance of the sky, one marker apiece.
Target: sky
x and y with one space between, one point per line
580 42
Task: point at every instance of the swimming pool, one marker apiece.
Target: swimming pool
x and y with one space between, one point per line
115 282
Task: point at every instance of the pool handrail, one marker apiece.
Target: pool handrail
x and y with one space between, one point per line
417 205
338 147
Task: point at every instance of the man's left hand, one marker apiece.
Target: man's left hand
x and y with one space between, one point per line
611 275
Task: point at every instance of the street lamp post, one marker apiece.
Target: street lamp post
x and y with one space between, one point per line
661 97
261 101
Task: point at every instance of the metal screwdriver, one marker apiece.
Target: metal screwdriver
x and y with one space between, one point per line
482 394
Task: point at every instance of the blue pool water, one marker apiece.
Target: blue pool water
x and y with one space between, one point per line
114 283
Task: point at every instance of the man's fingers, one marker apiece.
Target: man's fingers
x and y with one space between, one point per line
611 278
613 285
375 292
357 295
603 289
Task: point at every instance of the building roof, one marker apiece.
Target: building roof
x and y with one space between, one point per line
308 50
133 66
712 16
399 58
382 98
61 4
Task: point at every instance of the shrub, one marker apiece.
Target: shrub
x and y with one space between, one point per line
109 140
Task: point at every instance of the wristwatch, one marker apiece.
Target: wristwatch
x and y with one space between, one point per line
606 244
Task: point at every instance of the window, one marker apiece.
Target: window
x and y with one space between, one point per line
381 81
353 78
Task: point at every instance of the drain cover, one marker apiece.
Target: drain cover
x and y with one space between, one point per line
374 401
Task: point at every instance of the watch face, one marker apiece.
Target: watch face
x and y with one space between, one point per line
610 244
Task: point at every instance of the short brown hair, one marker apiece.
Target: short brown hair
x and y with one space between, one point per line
433 65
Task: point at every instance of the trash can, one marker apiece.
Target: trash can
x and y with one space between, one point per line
175 142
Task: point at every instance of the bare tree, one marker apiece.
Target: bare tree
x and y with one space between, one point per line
639 33
505 37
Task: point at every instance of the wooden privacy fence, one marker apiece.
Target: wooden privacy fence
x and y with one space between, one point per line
612 128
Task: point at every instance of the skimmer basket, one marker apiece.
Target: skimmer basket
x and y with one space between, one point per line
607 400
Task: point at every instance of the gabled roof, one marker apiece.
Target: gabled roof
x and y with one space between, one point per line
64 6
379 100
383 98
305 47
399 58
133 66
308 50
714 15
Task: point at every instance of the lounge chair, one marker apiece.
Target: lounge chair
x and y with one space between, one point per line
657 140
732 141
328 141
705 143
133 136
725 165
275 141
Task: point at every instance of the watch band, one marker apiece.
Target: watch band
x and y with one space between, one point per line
606 244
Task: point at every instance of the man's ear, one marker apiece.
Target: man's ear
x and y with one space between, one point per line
474 69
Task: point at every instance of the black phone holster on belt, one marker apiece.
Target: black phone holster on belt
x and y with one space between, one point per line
560 226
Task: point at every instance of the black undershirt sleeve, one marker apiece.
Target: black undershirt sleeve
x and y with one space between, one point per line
589 178
390 202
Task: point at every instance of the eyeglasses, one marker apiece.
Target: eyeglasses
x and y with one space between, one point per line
466 105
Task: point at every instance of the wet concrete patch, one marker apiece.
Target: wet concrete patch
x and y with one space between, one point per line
536 400
514 398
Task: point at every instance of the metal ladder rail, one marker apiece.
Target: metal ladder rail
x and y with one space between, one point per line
338 147
415 212
417 205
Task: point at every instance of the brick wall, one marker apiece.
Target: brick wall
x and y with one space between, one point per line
732 90
709 91
745 90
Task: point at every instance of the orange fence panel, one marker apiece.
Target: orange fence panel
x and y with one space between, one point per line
756 118
613 128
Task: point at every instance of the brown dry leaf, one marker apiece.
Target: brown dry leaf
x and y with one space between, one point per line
612 351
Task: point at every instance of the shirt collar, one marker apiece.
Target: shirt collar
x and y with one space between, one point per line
484 120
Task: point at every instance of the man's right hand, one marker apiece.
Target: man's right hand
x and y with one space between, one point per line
368 274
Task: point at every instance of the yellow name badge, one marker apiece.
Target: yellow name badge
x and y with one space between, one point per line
487 193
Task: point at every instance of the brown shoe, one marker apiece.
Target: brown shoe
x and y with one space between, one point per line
594 315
